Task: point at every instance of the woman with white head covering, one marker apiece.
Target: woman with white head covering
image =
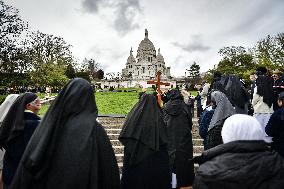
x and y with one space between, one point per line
243 161
5 106
223 110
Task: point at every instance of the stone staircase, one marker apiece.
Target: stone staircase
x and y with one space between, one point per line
113 125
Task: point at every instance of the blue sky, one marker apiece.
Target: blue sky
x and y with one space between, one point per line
185 30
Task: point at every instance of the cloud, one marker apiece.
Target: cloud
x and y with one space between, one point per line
125 12
91 6
195 45
254 15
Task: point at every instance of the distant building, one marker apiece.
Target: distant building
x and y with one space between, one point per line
147 62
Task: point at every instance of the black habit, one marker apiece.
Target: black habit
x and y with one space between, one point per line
69 149
146 160
179 124
15 133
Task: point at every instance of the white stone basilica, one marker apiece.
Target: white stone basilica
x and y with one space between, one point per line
147 62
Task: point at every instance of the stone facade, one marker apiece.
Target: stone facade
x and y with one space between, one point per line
146 64
133 84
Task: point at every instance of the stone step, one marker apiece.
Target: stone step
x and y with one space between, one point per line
114 136
196 142
118 122
116 127
113 131
118 130
120 165
120 149
119 157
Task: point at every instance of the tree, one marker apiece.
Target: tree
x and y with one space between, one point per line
12 56
236 60
49 49
91 66
269 51
84 75
49 74
194 73
11 23
100 74
70 71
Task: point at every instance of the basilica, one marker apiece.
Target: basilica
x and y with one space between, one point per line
146 64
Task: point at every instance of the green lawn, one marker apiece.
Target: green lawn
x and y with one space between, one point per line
116 102
110 102
43 110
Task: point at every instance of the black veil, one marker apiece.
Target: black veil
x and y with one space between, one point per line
69 149
265 89
144 130
14 122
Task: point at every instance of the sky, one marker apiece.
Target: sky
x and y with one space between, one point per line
184 30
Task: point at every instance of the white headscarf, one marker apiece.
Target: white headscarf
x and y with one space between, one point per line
5 106
242 127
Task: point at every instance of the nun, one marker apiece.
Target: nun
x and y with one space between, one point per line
243 161
223 110
16 130
4 108
180 148
146 160
69 149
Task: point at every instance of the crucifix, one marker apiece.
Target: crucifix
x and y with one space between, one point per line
158 84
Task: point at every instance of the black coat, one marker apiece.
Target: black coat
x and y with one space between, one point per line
240 164
16 147
179 124
214 137
275 129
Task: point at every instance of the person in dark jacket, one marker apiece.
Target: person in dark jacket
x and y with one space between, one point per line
205 120
243 161
179 124
223 110
17 128
144 136
199 105
69 149
275 127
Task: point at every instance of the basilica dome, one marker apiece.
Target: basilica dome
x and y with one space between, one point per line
146 44
146 48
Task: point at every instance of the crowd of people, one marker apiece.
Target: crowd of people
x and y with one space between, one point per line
22 89
69 148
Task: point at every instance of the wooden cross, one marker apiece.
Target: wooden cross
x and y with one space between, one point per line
158 84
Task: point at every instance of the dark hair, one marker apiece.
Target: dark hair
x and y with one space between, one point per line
217 74
281 96
261 70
